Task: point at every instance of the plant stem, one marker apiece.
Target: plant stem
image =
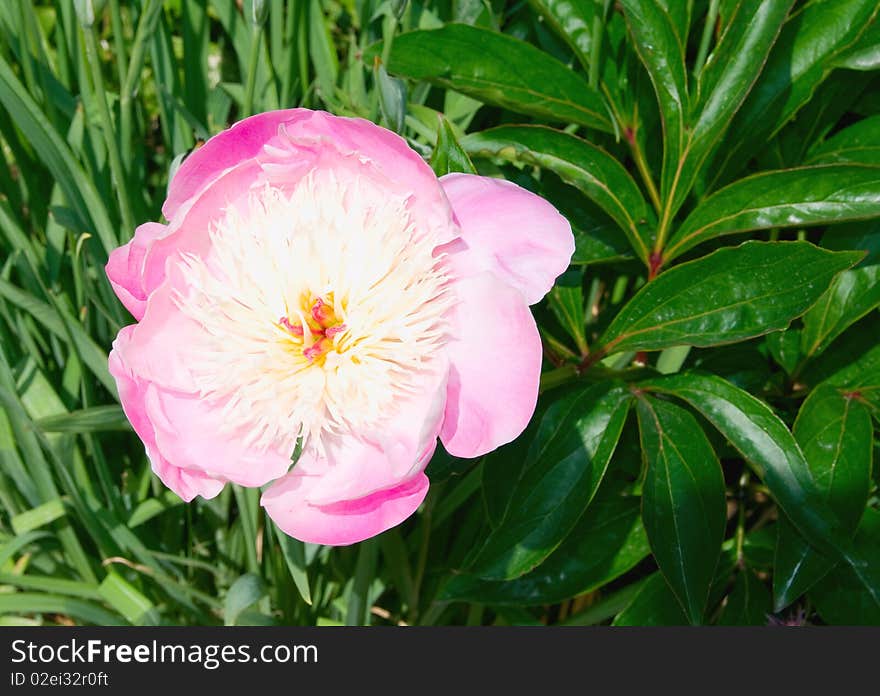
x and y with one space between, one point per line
423 558
112 143
251 80
705 40
249 527
644 170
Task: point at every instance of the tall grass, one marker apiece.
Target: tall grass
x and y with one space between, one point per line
100 102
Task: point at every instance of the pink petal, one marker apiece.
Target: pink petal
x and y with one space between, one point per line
132 395
342 523
362 485
191 432
495 365
225 150
126 264
511 232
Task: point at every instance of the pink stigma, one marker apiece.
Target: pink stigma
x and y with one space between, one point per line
295 329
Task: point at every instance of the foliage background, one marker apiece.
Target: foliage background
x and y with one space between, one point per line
703 446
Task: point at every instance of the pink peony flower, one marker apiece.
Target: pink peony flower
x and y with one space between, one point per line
316 280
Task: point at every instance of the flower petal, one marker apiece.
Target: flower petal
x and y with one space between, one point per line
511 232
495 365
132 395
126 264
228 148
341 523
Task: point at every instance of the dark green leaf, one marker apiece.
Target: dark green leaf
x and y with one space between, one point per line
683 505
860 143
819 195
851 296
803 56
498 69
865 53
728 296
764 441
566 301
864 235
723 85
662 51
448 155
748 603
563 468
608 541
588 168
654 605
573 21
785 347
835 434
841 597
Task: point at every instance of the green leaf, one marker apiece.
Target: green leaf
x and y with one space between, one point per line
38 517
858 143
773 453
562 470
851 296
819 195
448 155
607 541
498 69
803 56
654 605
566 301
87 420
293 551
246 591
731 295
841 597
748 603
572 20
42 603
785 347
835 434
864 235
662 51
78 188
590 169
128 601
683 506
865 54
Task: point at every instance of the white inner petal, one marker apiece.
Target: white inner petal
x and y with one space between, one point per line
355 247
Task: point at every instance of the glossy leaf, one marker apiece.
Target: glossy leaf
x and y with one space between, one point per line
723 85
835 434
563 468
840 597
858 143
768 446
748 603
662 50
572 20
683 506
448 155
863 235
728 296
865 53
803 56
851 296
654 605
583 165
608 541
498 69
818 195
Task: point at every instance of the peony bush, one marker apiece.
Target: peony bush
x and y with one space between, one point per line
320 313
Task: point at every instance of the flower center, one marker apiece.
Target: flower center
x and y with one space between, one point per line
315 329
322 309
